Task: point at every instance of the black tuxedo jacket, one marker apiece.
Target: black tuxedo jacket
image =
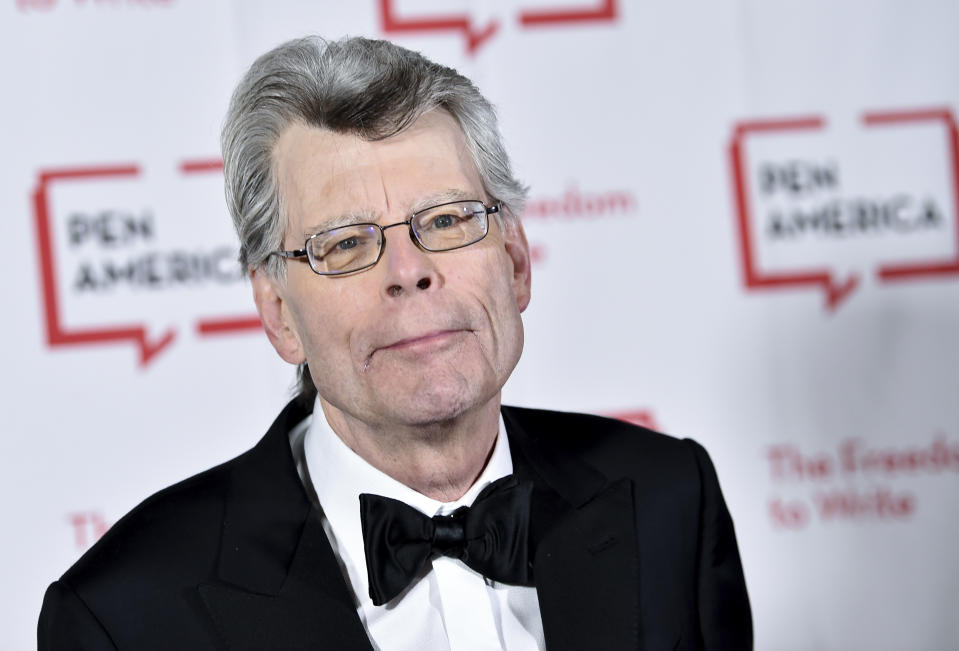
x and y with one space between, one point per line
633 549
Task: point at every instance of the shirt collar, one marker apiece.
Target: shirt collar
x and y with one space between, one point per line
339 476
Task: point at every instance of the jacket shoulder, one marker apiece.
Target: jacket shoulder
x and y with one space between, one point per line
136 587
614 447
689 559
174 535
139 584
173 532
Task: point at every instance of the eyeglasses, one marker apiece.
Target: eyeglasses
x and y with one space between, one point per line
347 249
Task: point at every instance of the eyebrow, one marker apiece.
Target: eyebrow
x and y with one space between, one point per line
367 217
358 217
446 196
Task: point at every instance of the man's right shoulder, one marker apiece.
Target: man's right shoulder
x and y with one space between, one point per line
175 534
139 585
138 582
176 530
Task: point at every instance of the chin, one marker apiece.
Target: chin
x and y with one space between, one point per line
438 405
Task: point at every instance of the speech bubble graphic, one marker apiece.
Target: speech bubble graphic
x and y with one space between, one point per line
474 36
393 24
57 333
753 278
117 245
846 198
604 11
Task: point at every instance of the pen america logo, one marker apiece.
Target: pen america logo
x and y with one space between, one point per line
394 20
830 203
129 255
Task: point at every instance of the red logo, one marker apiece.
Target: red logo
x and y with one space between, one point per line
112 230
57 333
475 35
791 172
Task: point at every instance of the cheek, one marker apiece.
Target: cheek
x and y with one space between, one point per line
494 289
501 283
323 332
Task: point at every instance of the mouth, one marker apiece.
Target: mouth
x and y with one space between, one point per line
427 341
418 347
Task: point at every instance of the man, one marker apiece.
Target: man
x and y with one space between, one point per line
378 217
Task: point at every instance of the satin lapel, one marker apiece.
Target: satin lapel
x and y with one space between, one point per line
280 586
586 563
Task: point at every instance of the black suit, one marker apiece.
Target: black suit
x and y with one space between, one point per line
634 549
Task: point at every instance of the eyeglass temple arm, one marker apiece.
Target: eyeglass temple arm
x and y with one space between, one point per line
298 253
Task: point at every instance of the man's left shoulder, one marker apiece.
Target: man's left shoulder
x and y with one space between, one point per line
614 447
688 557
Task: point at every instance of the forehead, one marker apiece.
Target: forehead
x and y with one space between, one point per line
327 178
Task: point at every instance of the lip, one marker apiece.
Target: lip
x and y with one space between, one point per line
429 340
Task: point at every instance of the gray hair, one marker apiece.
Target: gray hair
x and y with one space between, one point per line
368 88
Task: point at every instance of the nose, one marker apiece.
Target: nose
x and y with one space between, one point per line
409 269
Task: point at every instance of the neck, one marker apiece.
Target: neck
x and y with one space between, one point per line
440 460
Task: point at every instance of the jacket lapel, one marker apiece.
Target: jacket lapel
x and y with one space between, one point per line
280 586
586 564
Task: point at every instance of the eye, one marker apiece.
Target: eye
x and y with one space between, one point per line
340 244
347 244
443 221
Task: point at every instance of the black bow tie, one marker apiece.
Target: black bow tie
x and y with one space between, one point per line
491 537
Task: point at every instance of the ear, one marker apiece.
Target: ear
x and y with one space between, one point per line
518 250
274 314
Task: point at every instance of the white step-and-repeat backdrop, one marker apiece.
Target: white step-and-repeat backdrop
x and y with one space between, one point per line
745 224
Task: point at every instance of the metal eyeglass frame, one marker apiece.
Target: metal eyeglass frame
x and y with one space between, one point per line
306 250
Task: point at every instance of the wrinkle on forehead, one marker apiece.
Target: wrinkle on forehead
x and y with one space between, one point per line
386 194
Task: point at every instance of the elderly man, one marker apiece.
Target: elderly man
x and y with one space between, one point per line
395 504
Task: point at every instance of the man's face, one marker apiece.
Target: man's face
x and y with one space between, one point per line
420 337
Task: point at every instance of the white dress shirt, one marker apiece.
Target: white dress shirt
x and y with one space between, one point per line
449 606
